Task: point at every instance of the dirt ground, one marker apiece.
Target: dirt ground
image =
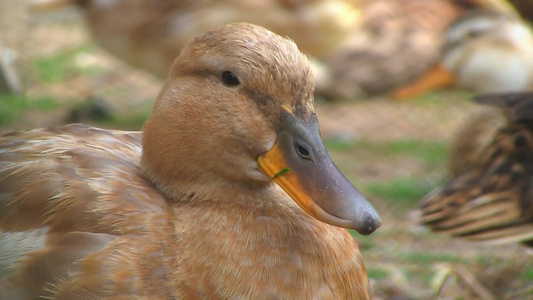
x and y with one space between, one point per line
404 260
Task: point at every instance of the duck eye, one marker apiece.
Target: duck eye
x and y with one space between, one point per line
303 152
229 79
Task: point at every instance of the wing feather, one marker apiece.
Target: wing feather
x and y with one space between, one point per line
73 203
493 201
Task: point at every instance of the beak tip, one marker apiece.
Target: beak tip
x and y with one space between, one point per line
369 225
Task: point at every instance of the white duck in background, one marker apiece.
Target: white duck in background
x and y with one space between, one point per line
485 52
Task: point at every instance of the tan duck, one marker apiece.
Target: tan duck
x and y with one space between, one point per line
149 34
361 46
493 201
228 193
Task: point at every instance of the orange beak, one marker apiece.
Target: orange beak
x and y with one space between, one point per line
300 164
436 78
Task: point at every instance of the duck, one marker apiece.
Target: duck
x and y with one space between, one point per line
396 42
489 54
472 136
491 202
356 48
149 34
227 193
485 52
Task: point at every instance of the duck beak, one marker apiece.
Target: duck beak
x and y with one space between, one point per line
300 164
438 77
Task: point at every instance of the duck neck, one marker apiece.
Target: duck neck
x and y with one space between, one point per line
182 165
184 183
219 191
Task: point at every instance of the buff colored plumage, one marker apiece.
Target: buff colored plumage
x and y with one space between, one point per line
185 209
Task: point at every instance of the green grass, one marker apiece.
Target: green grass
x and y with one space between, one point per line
420 273
429 152
59 67
443 95
100 113
402 191
424 258
130 122
377 273
527 275
11 107
488 261
341 145
133 121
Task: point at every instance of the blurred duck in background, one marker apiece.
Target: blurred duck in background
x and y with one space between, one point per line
490 156
485 52
396 42
149 34
361 46
492 201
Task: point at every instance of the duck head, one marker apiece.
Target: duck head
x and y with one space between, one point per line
237 111
485 52
489 52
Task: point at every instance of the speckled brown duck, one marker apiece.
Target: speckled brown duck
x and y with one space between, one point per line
493 201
